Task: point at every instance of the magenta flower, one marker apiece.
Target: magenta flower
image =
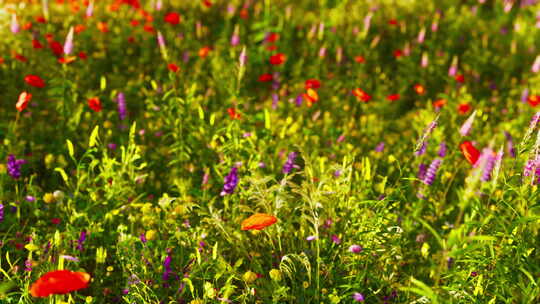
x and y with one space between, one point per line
358 297
231 181
355 249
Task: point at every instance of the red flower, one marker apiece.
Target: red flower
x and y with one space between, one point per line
312 84
460 78
277 59
55 221
207 3
534 100
439 103
94 104
83 55
233 114
359 59
258 221
470 152
203 52
172 18
393 97
66 60
21 58
149 28
59 282
24 98
36 44
79 28
398 53
56 47
419 89
271 47
311 97
361 95
244 13
173 67
102 27
272 37
134 22
27 26
265 77
464 108
34 81
392 22
41 19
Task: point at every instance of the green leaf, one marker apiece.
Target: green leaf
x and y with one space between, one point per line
93 137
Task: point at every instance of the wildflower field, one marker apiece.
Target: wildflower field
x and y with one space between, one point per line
269 151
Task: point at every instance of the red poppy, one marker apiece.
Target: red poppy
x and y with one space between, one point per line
398 53
359 59
464 108
203 52
59 282
258 221
460 78
79 28
207 3
34 81
172 18
131 39
36 44
361 95
419 89
277 59
27 26
392 22
66 60
312 84
233 114
271 47
55 221
470 152
1 60
173 67
244 13
41 19
94 104
134 22
534 100
20 57
149 28
439 103
265 77
83 55
311 97
23 101
393 97
272 37
56 47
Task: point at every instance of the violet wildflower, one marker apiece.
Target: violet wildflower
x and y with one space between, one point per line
159 5
81 240
367 22
231 181
289 164
70 258
510 145
355 249
122 109
15 27
28 265
142 237
489 163
14 166
275 100
524 95
161 40
298 100
167 267
358 297
422 149
30 198
68 45
322 52
442 149
1 212
422 169
379 147
431 173
467 125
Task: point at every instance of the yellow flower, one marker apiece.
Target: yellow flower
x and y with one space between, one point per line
249 277
275 275
48 198
196 301
305 284
107 124
151 235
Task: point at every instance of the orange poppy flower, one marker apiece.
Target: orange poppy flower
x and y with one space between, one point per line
66 60
361 95
277 59
534 100
244 13
203 52
27 26
311 97
24 98
59 282
419 89
79 28
94 104
34 81
359 59
469 151
439 103
233 114
207 3
102 27
258 221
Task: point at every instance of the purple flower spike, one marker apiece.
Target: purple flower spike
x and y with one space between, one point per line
442 149
231 181
14 166
289 164
122 109
431 173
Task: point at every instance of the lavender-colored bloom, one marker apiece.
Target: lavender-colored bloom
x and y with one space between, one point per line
358 297
355 249
275 99
90 9
81 240
185 57
68 44
111 146
380 147
466 127
70 258
298 100
442 149
337 173
434 26
289 164
159 5
489 163
30 198
510 145
1 212
15 28
14 166
422 149
524 95
431 173
231 181
122 109
422 169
